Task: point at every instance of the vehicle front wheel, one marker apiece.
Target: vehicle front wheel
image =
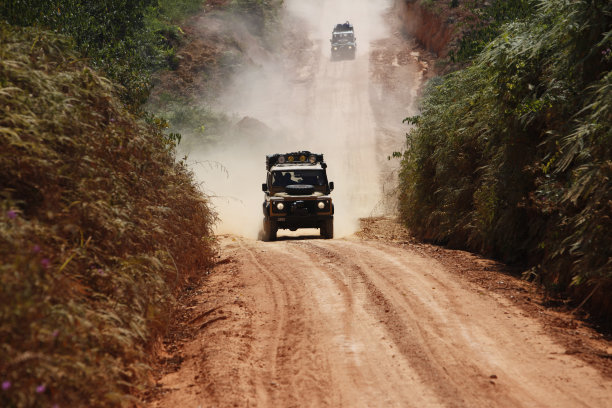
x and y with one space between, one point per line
269 230
327 229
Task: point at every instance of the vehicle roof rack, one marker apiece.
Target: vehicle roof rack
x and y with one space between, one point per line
301 157
344 27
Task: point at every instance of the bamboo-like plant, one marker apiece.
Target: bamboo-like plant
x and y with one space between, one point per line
99 227
511 155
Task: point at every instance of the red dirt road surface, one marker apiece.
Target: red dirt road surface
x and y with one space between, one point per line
362 323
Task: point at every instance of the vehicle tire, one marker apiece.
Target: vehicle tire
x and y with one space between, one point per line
269 230
273 230
327 229
299 189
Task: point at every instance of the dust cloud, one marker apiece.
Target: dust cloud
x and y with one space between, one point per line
298 99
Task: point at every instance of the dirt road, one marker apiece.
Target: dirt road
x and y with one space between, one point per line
362 323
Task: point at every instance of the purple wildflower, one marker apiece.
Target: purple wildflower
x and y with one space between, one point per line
41 388
101 272
6 385
36 249
45 262
12 214
55 333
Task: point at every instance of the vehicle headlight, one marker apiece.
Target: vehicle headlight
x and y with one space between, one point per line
321 205
280 206
350 47
335 48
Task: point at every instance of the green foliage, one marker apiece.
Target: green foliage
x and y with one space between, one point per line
177 10
200 125
262 14
487 24
512 155
98 227
111 33
127 40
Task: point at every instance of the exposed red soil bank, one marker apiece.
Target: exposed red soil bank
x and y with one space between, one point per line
430 29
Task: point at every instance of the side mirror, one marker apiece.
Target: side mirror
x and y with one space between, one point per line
331 185
264 187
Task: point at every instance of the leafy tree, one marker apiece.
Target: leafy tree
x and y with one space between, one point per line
113 34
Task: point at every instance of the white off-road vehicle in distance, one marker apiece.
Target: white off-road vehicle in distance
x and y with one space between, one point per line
343 42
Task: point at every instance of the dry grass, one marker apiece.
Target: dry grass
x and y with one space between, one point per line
99 226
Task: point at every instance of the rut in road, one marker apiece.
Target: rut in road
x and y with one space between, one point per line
350 323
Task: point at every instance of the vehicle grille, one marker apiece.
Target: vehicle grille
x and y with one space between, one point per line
302 207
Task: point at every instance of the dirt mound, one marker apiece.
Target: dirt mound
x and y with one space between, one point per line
252 128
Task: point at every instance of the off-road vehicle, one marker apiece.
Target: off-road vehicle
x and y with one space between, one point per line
343 42
297 194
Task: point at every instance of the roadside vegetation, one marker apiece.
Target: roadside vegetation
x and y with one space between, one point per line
99 227
100 224
512 155
126 40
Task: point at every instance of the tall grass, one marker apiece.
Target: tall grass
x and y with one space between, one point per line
512 155
99 226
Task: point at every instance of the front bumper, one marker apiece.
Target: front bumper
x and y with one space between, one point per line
343 49
293 223
298 213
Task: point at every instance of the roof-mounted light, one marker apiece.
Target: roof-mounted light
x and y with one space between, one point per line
300 157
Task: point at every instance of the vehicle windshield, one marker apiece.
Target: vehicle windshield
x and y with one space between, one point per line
287 177
343 36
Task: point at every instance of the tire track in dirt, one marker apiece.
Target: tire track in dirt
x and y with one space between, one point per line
451 341
413 339
385 379
329 315
351 323
294 367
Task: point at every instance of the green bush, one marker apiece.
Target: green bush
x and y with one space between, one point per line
511 156
262 14
487 24
112 33
99 226
127 40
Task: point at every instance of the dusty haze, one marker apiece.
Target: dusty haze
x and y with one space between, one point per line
297 99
